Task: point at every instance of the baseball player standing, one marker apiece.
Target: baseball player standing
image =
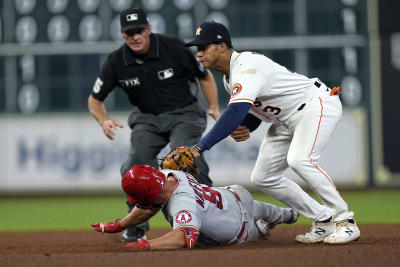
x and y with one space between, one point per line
156 72
198 214
304 113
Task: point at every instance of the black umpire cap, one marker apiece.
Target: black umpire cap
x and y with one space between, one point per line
211 32
133 18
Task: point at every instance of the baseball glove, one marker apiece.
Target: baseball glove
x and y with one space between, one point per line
180 159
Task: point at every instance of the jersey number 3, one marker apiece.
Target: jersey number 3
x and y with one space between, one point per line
272 109
213 196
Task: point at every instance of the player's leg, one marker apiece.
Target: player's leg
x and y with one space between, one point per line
187 131
267 216
253 233
312 130
268 175
273 214
262 217
146 143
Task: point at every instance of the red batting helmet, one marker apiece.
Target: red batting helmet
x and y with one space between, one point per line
143 183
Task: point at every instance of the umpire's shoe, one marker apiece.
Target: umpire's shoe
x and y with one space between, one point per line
346 231
133 234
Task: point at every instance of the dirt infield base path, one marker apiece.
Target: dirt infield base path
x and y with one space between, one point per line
379 245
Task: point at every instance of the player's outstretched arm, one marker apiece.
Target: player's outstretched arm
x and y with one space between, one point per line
136 216
172 240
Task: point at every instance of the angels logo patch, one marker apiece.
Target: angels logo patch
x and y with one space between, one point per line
183 217
237 87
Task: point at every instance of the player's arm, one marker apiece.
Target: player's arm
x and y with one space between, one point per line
249 124
172 240
183 237
136 216
236 112
210 91
227 123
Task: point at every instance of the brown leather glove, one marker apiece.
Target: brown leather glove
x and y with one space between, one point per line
180 159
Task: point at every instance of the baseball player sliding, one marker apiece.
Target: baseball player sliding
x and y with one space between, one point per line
198 214
304 113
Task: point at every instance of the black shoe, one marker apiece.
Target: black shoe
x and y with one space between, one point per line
133 234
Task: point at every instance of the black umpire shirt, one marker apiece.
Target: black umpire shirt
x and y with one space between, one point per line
156 82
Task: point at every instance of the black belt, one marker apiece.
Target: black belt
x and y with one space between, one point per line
301 106
317 84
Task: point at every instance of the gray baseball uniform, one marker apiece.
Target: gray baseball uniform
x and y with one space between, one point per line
222 215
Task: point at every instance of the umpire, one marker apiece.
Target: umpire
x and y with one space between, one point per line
156 72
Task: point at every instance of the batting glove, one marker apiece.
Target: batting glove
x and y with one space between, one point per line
142 244
110 227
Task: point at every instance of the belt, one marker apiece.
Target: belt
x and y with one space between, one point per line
317 84
301 106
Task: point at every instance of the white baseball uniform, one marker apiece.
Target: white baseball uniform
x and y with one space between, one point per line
222 215
304 116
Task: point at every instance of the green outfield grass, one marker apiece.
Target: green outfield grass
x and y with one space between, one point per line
77 212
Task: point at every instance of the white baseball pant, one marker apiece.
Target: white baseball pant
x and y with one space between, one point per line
298 143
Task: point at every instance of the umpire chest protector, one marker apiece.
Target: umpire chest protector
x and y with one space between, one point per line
156 82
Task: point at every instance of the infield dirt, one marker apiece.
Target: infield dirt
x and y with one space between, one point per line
379 245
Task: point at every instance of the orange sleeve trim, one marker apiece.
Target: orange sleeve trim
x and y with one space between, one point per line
246 99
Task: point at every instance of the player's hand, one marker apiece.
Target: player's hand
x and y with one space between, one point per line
110 227
242 133
214 112
142 244
110 127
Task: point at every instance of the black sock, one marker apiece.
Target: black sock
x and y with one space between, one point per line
326 221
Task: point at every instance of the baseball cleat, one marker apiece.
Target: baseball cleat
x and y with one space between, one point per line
319 231
264 228
346 231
